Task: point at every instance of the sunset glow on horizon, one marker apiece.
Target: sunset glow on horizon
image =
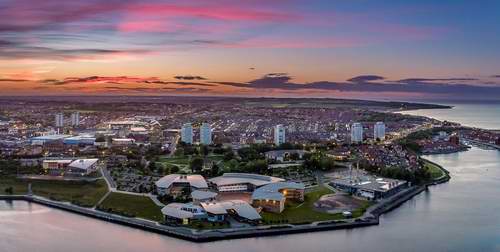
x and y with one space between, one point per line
281 48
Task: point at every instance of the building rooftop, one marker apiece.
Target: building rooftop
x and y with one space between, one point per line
203 195
83 164
196 181
180 210
240 207
272 191
49 137
243 178
370 183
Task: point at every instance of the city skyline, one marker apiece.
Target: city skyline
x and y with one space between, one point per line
412 50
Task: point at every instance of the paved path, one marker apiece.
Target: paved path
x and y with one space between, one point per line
155 200
109 180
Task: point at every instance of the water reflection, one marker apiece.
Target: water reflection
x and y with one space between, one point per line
462 215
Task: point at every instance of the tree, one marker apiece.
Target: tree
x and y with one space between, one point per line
215 170
228 155
248 153
256 166
294 156
204 150
196 164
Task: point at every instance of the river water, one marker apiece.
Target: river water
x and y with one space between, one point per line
461 215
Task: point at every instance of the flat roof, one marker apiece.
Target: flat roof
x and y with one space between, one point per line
83 164
50 137
370 183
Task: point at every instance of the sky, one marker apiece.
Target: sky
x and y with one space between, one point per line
397 50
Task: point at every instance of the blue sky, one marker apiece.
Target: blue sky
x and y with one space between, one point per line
53 41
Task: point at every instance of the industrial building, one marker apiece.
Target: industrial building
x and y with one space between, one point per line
369 187
70 167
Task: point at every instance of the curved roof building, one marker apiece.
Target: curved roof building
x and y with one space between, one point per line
242 181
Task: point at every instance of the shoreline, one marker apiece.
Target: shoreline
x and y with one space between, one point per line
369 218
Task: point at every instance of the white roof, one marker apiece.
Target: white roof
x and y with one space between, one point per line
123 140
60 161
196 181
214 207
83 164
242 208
202 195
271 191
244 178
138 129
176 210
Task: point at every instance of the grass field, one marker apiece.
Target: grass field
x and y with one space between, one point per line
132 206
80 193
435 171
305 213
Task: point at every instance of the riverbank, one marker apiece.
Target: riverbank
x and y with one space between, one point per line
371 217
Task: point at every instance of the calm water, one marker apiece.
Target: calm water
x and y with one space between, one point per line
462 215
469 114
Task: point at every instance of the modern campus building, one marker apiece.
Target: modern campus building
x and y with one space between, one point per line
187 133
178 184
241 182
75 119
279 134
59 120
272 197
70 167
356 133
180 213
205 134
379 131
216 211
369 187
199 196
238 209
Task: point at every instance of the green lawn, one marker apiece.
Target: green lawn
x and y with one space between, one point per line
18 187
80 193
132 206
304 212
435 171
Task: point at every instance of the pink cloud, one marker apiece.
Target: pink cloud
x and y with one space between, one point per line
209 12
